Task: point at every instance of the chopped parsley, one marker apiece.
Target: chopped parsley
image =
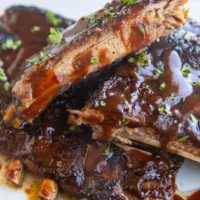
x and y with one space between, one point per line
197 83
94 60
162 86
131 2
142 59
186 70
183 138
187 36
43 56
55 35
162 110
89 146
92 19
194 119
11 44
53 19
1 112
3 76
160 71
107 152
35 29
73 127
102 103
109 11
32 61
123 122
7 86
142 30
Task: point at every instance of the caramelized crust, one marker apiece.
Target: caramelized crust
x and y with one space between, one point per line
92 44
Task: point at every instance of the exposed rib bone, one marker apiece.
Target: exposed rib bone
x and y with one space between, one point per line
151 138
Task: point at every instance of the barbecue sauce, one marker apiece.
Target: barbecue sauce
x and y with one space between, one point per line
51 146
195 196
156 87
32 42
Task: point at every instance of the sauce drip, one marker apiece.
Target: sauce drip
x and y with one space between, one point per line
154 88
32 42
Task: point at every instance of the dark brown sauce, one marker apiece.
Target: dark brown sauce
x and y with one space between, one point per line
32 42
48 148
94 158
81 65
177 197
195 196
41 90
103 58
134 92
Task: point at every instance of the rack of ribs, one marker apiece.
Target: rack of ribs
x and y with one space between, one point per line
50 147
153 97
92 44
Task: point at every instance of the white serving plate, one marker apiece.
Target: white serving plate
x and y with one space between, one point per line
189 176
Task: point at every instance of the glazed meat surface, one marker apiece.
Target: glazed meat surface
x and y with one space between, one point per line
94 170
31 42
93 43
153 96
84 168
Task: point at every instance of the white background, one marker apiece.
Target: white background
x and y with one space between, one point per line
77 8
189 177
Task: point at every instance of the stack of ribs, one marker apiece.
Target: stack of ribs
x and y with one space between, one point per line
112 109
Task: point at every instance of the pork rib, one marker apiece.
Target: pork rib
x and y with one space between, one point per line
84 168
93 43
153 97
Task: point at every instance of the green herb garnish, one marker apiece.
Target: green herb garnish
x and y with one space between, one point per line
73 127
123 122
55 35
94 60
197 83
142 59
43 56
32 61
109 11
7 86
186 70
187 36
194 119
142 30
35 29
107 153
52 18
162 110
1 112
92 19
78 63
183 138
11 44
3 76
162 86
131 2
102 103
89 146
159 72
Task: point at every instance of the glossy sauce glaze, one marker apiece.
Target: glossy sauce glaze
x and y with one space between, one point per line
193 196
97 32
32 41
82 167
157 87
